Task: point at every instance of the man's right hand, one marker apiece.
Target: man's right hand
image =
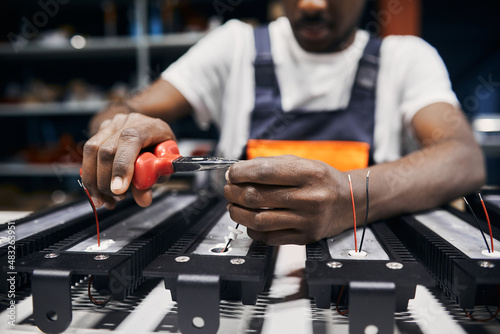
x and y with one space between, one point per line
109 156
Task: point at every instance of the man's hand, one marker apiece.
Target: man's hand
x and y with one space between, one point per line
109 156
287 199
292 200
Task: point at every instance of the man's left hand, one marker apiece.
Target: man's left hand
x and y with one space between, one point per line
287 199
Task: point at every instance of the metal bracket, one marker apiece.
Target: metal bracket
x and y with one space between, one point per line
371 307
198 298
52 308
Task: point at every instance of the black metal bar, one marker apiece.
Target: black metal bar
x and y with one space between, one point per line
238 277
195 316
326 275
371 307
119 272
52 308
469 281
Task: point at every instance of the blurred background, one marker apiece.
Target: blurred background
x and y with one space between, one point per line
61 61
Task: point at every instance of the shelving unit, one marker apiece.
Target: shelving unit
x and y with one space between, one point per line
51 109
58 170
102 60
132 56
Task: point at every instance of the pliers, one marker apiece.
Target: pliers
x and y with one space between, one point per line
167 160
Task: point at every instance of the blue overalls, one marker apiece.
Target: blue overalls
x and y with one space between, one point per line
334 132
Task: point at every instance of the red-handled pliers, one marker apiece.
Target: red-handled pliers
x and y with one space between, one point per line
167 160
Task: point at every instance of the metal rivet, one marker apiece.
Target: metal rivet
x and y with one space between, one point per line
182 259
51 255
486 264
334 264
237 261
394 265
101 257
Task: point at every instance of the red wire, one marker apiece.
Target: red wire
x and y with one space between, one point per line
469 315
95 214
92 299
354 215
338 301
489 223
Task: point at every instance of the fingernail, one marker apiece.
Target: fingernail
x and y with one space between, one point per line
227 176
116 184
119 198
227 206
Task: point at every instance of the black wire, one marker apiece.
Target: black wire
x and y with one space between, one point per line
227 245
477 222
367 207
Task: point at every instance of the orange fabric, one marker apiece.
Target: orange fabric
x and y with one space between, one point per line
342 155
399 17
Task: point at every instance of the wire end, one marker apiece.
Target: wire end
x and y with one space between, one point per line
227 245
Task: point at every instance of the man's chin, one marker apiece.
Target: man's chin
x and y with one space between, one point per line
321 40
317 45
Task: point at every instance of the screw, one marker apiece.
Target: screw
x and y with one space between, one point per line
51 255
394 265
334 264
101 257
182 259
237 261
486 264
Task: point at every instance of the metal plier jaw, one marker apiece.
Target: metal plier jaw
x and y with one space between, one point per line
166 160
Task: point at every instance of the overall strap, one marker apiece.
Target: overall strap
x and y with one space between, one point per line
264 66
267 93
366 75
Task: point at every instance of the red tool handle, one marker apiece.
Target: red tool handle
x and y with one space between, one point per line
149 167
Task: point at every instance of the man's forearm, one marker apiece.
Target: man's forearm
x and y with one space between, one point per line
160 100
424 179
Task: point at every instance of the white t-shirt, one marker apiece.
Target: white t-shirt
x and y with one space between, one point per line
216 76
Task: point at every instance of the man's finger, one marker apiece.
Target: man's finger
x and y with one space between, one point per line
256 196
282 170
130 142
276 238
143 198
90 158
104 124
264 220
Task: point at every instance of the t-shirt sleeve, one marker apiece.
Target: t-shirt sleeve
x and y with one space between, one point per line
425 79
200 74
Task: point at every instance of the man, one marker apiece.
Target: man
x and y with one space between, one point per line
313 70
